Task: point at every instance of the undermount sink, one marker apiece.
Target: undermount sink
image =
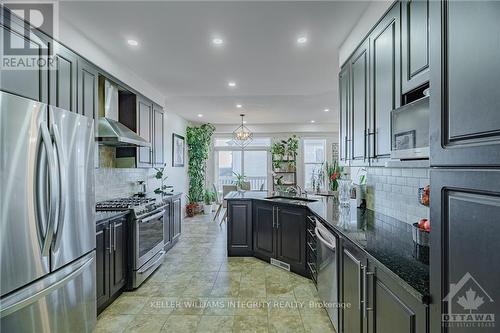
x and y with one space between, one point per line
283 198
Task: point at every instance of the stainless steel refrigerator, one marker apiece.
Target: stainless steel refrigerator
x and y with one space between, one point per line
47 228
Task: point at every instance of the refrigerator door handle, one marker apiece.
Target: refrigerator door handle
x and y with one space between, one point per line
45 286
63 182
53 183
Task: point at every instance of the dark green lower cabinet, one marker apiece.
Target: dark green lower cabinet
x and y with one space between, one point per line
263 230
352 269
111 261
392 309
291 237
375 302
268 231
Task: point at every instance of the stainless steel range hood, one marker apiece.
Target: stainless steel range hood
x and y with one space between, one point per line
110 131
114 133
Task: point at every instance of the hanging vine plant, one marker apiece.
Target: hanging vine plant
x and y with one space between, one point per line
198 141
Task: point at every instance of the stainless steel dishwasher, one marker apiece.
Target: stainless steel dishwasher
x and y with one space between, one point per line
327 263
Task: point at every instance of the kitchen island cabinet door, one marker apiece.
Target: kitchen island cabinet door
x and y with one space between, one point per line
239 228
264 238
291 237
465 100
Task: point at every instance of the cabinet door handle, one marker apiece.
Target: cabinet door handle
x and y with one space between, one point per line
114 237
365 291
277 218
110 238
274 218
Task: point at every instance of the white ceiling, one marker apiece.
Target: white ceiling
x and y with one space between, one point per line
277 80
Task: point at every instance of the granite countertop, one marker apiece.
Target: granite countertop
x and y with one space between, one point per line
102 216
386 240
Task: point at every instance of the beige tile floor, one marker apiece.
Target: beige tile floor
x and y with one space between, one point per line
199 289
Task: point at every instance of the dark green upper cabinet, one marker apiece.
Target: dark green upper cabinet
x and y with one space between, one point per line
88 77
414 43
344 114
385 83
63 78
465 99
16 40
144 127
359 103
158 137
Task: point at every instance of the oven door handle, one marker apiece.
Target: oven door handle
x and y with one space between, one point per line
152 217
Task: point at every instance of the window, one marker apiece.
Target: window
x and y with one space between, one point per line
251 162
314 157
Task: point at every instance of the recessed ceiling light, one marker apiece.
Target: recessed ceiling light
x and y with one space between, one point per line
301 40
239 106
326 110
200 115
231 84
312 121
217 41
132 42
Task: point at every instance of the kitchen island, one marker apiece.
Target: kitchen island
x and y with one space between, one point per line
391 273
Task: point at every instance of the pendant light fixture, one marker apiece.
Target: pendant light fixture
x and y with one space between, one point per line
242 135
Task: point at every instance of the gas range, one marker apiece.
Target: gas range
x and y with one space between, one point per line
138 206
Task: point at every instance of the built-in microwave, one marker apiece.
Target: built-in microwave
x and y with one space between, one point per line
410 130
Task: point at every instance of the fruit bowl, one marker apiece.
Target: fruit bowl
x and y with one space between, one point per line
420 236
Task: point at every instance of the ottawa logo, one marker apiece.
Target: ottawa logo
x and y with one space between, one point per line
473 305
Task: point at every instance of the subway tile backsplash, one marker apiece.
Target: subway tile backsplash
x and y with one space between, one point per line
393 192
113 183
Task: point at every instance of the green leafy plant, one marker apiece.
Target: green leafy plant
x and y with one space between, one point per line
292 146
239 179
278 149
210 197
198 140
160 175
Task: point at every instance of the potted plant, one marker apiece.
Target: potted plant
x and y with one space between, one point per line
208 205
239 181
190 207
163 190
278 150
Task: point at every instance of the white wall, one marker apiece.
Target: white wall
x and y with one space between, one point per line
177 176
370 17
